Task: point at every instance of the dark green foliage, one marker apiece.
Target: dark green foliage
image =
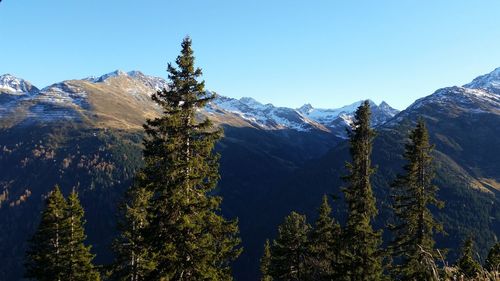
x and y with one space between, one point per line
77 256
102 162
188 237
324 245
413 193
45 260
133 259
467 264
57 250
361 255
265 262
493 260
289 249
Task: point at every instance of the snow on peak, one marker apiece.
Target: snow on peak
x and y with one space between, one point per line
104 77
324 116
304 118
389 110
489 82
155 83
10 84
461 99
263 116
306 108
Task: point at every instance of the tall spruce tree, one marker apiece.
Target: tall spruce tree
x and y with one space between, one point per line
133 259
467 264
57 250
413 193
78 259
324 245
265 262
45 260
493 260
186 233
361 255
289 250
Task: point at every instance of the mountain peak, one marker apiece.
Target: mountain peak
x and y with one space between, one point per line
250 102
306 108
384 104
489 82
10 84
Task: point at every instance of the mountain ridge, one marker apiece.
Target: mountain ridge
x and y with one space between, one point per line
94 146
78 94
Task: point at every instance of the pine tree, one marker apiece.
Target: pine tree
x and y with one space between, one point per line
413 246
289 249
78 259
44 258
361 256
186 233
324 245
493 259
133 260
467 265
265 262
57 250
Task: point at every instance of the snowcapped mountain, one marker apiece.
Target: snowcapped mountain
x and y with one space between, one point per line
338 119
460 99
123 98
12 85
489 82
481 96
262 116
155 83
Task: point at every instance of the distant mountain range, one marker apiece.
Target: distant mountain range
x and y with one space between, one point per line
86 134
86 99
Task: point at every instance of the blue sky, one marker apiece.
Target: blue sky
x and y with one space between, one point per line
327 53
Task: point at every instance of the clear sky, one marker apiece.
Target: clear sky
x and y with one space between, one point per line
289 52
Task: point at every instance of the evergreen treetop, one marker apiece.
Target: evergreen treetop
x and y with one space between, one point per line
361 255
265 262
57 250
324 245
187 236
413 193
78 258
467 264
493 260
289 249
45 260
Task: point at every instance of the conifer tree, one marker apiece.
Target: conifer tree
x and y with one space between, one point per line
413 192
133 258
57 250
78 259
467 265
188 237
493 259
265 262
289 249
361 255
45 259
324 245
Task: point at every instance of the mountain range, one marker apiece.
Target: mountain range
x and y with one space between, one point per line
86 134
88 99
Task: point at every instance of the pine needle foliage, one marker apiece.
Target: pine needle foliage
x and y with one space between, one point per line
289 249
324 245
186 234
413 193
57 250
361 254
